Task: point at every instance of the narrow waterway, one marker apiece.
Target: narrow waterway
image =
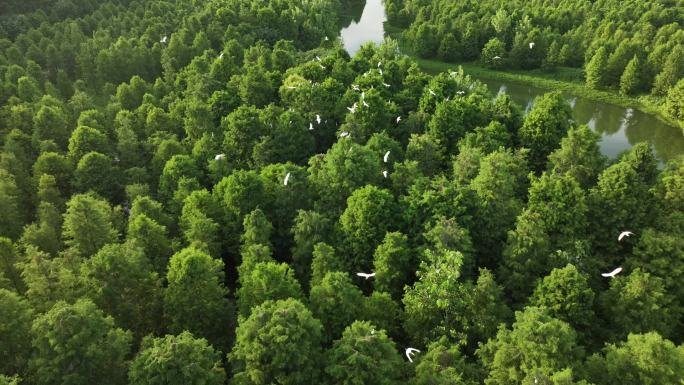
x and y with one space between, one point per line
620 128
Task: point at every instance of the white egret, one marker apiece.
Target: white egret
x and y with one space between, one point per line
613 273
318 58
221 55
310 126
398 119
291 87
326 38
318 119
432 93
497 57
460 93
386 157
624 234
379 69
385 173
532 45
287 178
164 40
363 94
365 104
220 156
355 87
385 84
344 134
322 66
379 64
410 352
366 275
352 109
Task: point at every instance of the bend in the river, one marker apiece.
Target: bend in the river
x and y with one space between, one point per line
620 128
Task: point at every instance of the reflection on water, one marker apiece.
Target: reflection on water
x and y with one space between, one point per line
368 28
620 128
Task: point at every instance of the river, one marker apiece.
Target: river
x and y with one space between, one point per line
620 127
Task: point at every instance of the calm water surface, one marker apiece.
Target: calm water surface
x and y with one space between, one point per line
620 128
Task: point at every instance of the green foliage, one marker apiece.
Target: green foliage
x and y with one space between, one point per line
642 359
596 69
15 326
123 271
180 360
195 299
336 302
392 264
279 342
266 281
363 355
68 346
546 124
442 364
88 224
537 344
369 215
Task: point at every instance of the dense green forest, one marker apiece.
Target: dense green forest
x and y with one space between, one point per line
633 47
190 190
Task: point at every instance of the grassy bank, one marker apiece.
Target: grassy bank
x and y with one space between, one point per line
569 80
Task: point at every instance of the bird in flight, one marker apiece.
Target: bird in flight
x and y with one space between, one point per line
352 109
386 85
398 119
344 134
287 178
432 93
384 173
310 126
355 87
410 352
460 93
318 58
613 273
220 156
366 275
532 45
221 55
624 235
379 64
318 119
326 38
365 104
386 157
497 57
164 40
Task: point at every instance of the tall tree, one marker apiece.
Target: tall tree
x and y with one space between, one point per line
177 360
15 327
88 224
196 299
68 346
597 69
280 342
336 302
363 355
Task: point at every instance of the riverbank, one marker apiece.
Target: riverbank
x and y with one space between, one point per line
568 80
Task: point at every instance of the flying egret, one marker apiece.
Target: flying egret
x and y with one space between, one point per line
366 275
326 38
318 119
532 45
310 126
291 87
398 119
380 69
318 58
460 92
321 65
384 173
352 109
365 104
410 352
497 57
355 87
624 234
386 157
287 178
164 40
220 156
344 134
385 84
363 94
432 93
613 273
379 64
221 55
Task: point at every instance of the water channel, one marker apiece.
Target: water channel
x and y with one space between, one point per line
620 127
